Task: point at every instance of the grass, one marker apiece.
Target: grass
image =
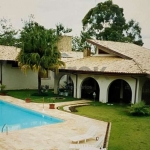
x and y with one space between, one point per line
127 132
49 97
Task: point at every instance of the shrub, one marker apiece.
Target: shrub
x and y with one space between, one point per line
73 109
140 109
44 88
2 89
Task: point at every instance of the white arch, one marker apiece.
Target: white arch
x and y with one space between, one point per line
58 78
108 89
84 79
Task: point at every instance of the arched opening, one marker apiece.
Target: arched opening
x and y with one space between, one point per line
66 86
89 86
146 92
119 92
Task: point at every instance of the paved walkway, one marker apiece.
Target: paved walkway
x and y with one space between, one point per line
48 137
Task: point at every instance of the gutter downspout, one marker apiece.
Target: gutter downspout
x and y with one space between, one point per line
135 89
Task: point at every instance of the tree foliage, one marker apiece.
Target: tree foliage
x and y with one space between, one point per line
106 21
7 33
78 44
39 48
60 30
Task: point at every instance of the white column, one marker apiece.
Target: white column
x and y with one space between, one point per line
78 87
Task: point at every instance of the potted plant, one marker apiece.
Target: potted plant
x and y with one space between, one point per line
52 105
2 87
42 88
66 93
46 88
61 91
65 89
28 99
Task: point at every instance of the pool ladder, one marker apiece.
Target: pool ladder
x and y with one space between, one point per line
5 125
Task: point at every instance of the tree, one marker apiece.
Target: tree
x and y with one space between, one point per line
7 33
39 49
79 43
106 21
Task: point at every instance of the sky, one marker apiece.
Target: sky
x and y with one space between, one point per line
71 12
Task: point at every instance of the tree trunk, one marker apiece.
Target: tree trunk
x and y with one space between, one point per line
39 82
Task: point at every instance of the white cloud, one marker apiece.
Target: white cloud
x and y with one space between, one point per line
17 10
71 12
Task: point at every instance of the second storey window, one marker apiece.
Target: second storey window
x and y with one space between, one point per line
101 52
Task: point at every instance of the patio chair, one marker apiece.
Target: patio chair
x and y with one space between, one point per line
98 144
88 135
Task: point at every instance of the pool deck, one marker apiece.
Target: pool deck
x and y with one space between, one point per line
49 137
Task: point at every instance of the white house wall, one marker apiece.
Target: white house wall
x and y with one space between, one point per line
14 78
59 80
104 81
141 83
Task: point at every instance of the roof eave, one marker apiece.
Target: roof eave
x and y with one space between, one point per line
99 72
108 50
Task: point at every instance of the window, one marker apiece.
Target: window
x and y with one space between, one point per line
14 64
101 52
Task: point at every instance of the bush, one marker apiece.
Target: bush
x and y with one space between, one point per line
2 89
140 109
73 109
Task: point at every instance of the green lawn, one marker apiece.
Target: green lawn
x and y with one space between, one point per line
127 132
48 98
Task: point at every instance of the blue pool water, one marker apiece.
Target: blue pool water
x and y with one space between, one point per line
17 117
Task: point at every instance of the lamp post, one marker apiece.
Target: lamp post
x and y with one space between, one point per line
94 96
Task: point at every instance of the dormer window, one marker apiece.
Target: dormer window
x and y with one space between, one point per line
101 52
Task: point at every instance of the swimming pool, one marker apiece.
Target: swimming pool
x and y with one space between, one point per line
16 117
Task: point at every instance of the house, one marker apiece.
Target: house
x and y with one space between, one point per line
117 73
14 78
10 73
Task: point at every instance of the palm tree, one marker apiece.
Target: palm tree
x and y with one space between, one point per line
39 50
